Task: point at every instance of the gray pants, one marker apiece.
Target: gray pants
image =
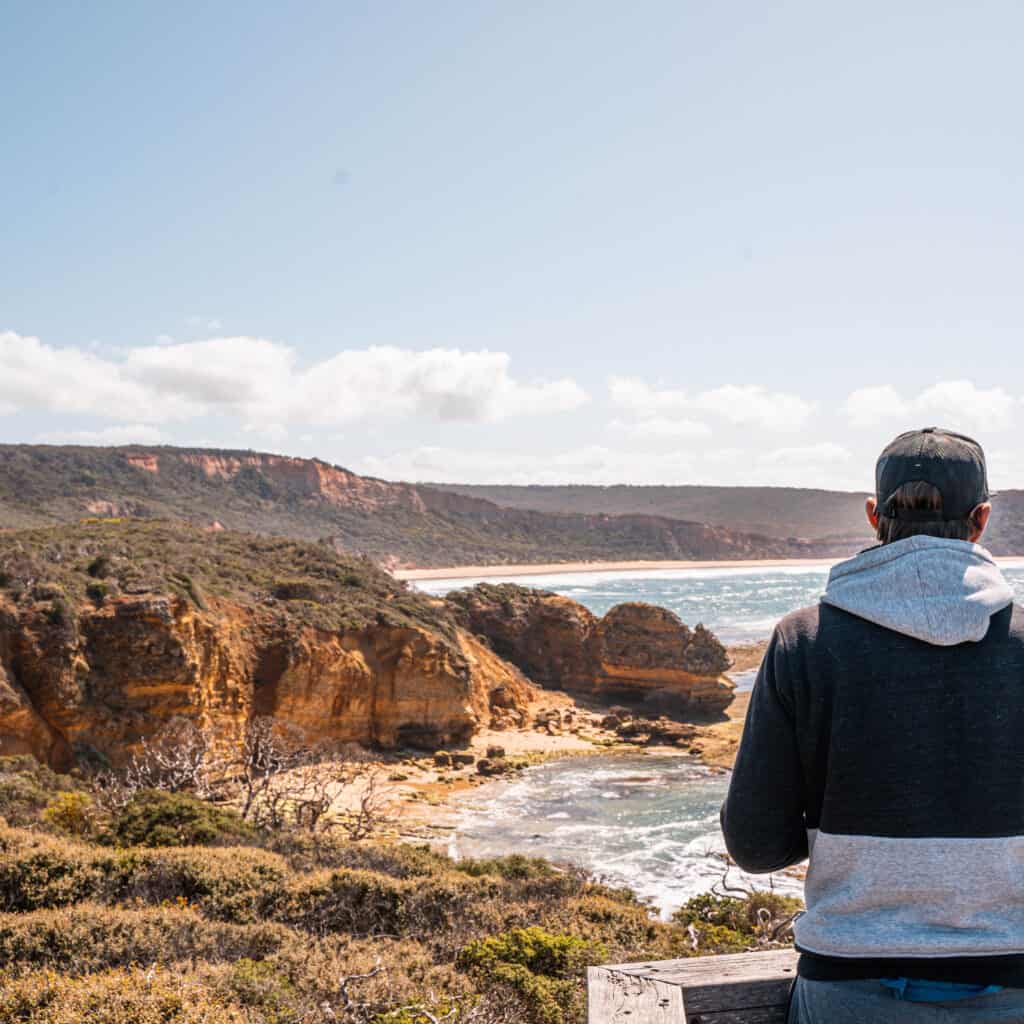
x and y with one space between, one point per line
868 1002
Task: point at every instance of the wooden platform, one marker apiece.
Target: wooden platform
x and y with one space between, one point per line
741 988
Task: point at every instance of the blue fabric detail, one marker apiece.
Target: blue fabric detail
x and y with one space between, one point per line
915 990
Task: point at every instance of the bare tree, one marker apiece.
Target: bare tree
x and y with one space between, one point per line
269 749
178 758
286 782
365 819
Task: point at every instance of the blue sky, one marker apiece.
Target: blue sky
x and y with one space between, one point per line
650 243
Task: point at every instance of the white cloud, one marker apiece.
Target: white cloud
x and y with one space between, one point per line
661 428
639 398
955 404
867 406
260 382
70 380
750 404
137 433
232 373
742 405
442 384
814 455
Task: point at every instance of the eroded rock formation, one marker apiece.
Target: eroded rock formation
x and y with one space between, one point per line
133 633
115 675
636 651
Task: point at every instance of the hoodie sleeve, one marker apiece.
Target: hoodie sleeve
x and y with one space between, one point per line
763 814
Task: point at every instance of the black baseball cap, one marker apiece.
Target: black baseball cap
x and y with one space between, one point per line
952 463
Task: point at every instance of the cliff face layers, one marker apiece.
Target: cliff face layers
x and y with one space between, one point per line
115 675
99 666
394 523
635 652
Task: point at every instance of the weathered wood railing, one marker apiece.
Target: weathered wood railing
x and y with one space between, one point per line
741 988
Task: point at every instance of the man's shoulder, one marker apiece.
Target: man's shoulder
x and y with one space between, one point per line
804 624
800 624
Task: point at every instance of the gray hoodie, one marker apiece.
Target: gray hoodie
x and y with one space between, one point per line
941 591
885 737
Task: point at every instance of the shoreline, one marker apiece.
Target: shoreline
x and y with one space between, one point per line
559 568
426 802
456 572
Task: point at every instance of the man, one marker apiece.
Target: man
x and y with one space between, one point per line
885 739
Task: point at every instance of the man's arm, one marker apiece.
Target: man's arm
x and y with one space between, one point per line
763 814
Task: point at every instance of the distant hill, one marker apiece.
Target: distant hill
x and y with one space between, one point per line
823 517
394 523
772 511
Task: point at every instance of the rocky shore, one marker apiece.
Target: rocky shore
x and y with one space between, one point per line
108 631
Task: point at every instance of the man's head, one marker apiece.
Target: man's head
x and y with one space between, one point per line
930 482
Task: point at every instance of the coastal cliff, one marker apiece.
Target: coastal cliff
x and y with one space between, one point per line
636 652
396 524
108 631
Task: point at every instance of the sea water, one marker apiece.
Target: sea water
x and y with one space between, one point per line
649 822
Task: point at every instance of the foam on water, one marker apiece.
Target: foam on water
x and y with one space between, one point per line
647 822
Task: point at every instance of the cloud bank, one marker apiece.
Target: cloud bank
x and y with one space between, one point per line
258 380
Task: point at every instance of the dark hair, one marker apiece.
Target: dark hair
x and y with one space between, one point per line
918 495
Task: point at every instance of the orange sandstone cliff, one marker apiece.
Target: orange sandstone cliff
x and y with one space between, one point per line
109 631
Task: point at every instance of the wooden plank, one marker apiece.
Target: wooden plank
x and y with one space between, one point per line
739 988
615 997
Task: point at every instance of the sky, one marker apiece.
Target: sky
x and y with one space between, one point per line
659 242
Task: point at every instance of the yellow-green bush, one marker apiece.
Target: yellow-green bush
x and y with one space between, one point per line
156 818
73 813
27 787
543 970
90 937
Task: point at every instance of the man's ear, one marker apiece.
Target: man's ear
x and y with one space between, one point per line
979 517
871 507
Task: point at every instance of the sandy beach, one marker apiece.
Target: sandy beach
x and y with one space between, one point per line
555 568
550 568
424 798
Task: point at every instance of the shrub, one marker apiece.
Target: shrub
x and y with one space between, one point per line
397 860
43 871
156 818
27 787
228 884
297 590
100 567
73 813
541 969
60 613
742 915
727 924
541 952
90 937
133 996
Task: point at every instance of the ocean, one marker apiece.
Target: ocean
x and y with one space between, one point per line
649 822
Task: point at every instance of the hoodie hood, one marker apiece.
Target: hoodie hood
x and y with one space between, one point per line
943 592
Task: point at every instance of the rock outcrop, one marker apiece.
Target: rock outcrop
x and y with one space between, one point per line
96 665
548 636
635 652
